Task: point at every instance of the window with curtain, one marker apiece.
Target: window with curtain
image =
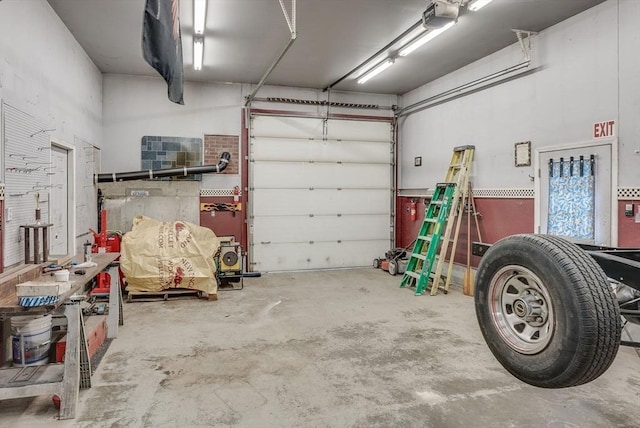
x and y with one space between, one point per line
572 197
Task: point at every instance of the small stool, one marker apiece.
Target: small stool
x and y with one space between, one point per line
36 242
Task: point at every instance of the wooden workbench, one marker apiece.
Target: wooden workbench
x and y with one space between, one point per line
67 378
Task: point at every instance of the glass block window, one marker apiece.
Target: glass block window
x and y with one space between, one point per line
159 152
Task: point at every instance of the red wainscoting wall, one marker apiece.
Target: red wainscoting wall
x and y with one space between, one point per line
223 223
500 217
628 229
497 218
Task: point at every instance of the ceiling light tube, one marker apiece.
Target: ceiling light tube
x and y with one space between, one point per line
199 15
198 52
416 43
376 70
366 67
478 4
413 35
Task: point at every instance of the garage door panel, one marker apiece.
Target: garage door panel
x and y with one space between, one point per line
289 127
321 228
319 202
270 175
276 202
275 257
270 149
358 130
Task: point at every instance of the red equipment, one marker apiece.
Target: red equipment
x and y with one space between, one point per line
105 242
413 209
103 284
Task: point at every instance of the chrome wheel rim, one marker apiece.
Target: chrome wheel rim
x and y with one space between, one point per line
521 309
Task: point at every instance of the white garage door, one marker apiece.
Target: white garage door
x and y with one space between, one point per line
322 193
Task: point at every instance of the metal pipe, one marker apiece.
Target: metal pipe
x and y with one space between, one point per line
158 173
294 35
286 16
372 57
406 110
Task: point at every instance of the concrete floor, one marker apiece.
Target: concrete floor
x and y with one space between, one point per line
323 349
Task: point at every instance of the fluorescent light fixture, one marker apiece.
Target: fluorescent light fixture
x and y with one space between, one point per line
198 52
376 70
416 43
199 15
478 4
371 64
368 66
413 35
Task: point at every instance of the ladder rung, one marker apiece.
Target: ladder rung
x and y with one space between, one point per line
431 220
417 275
425 237
456 165
419 256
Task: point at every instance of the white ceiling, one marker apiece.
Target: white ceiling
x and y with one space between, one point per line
244 37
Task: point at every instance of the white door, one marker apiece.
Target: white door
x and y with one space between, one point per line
563 200
321 193
59 201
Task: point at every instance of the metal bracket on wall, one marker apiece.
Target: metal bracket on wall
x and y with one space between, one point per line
525 36
220 206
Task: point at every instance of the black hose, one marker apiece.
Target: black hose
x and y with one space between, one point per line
170 172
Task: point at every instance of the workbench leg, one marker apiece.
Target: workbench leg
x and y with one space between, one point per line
27 245
121 318
115 306
36 246
45 244
85 362
76 362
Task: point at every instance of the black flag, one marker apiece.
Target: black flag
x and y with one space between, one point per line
162 43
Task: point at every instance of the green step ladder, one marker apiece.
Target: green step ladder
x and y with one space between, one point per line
425 249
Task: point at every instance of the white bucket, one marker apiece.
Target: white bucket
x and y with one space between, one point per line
61 275
31 340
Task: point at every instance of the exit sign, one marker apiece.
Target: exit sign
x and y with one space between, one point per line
604 129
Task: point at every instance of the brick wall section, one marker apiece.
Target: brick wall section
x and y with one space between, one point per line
214 145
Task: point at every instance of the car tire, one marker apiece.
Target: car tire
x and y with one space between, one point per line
546 311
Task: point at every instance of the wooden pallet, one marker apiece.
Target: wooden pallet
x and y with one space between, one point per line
171 294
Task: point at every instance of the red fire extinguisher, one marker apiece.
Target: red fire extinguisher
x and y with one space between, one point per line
413 210
236 193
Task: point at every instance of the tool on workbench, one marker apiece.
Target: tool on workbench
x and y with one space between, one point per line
55 267
51 268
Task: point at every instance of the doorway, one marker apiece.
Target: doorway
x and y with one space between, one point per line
575 190
60 202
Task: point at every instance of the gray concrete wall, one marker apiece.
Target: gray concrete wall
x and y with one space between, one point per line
163 200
